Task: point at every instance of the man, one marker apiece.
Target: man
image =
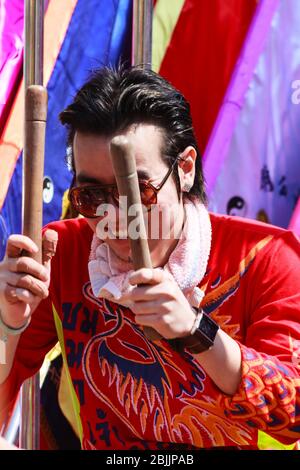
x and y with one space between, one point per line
223 293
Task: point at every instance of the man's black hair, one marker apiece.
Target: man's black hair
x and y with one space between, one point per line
114 99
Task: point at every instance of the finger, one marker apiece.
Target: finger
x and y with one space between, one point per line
10 294
14 295
28 266
49 243
25 296
147 320
155 307
149 293
147 276
35 286
17 243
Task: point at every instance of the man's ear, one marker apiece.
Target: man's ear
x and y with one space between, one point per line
186 168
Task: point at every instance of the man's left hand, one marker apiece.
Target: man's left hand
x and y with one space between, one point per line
157 301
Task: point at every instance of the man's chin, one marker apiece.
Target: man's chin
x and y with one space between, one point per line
120 247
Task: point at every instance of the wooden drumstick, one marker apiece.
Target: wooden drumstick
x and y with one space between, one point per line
34 147
124 166
33 172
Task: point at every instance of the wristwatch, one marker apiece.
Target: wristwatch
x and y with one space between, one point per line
202 337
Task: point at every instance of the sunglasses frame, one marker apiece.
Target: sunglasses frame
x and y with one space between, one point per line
110 188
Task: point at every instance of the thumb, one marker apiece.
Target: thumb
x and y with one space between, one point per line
49 243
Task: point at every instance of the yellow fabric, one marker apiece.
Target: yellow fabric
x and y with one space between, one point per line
164 22
67 397
65 205
53 353
65 403
50 356
266 442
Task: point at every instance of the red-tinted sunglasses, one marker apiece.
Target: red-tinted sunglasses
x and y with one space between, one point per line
86 199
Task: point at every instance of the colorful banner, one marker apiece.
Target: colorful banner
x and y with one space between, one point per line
11 52
202 41
96 33
295 220
260 178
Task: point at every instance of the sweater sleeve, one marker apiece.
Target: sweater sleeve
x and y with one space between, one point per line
268 397
34 343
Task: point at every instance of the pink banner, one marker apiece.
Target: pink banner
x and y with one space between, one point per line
11 51
253 169
217 148
295 220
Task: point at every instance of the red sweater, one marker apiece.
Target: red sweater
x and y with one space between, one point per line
138 394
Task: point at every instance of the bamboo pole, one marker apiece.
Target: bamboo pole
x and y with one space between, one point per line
121 151
34 42
142 33
141 55
33 168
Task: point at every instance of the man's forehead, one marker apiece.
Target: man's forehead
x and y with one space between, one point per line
135 132
84 177
146 139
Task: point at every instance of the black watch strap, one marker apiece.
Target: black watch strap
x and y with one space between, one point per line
202 339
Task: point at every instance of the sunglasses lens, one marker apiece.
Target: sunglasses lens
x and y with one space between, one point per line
87 200
115 196
148 195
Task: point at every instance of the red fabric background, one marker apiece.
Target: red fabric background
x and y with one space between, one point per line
202 54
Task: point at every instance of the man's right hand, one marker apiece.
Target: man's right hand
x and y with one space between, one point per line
23 281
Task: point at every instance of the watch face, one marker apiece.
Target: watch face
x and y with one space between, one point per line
208 327
202 339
